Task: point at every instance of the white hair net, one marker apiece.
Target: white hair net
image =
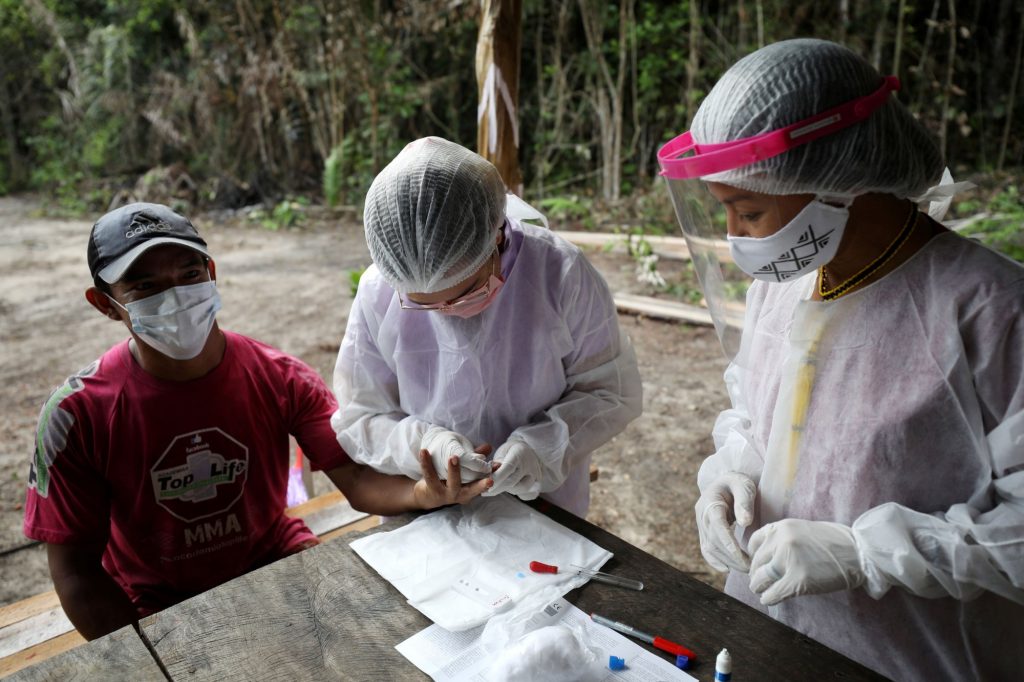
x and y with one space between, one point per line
432 215
789 81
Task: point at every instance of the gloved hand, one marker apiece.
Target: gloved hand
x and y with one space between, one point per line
729 499
520 471
793 557
443 444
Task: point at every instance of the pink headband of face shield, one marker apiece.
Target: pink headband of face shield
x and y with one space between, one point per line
682 158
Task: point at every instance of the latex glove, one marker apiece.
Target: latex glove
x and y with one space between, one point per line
793 557
443 444
520 471
728 500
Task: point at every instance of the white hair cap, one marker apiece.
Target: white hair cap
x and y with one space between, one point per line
789 81
432 215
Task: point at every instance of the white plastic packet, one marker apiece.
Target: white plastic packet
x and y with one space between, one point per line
461 565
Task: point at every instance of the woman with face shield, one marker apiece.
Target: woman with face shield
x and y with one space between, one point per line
868 483
478 336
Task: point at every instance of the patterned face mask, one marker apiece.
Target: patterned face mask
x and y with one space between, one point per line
807 242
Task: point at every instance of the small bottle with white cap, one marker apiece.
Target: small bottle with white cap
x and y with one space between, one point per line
723 666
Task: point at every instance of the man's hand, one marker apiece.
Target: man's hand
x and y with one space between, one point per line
431 491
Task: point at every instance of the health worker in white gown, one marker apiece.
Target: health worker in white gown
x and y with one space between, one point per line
868 483
477 336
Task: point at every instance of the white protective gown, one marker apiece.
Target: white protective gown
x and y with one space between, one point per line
908 401
546 361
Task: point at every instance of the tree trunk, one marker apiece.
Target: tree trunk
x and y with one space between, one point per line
741 27
15 166
760 23
693 62
876 49
1008 124
947 89
898 49
497 77
923 80
608 92
844 19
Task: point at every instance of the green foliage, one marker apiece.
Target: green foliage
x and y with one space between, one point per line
1003 228
654 208
285 214
564 211
687 291
300 98
353 280
332 177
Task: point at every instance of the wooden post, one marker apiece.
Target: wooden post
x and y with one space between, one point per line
497 77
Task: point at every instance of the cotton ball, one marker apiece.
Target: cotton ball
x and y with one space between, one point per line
549 654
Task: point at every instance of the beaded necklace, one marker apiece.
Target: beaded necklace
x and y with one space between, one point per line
872 267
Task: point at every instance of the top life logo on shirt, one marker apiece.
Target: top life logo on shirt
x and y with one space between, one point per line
200 474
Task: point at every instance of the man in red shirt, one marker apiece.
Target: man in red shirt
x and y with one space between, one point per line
161 469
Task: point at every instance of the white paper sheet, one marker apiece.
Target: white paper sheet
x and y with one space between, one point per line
461 565
459 657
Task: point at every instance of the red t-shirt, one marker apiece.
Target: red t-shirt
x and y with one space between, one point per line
185 482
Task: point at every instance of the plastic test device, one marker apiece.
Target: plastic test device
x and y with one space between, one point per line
538 567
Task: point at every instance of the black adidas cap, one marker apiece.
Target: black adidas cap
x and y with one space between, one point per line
124 234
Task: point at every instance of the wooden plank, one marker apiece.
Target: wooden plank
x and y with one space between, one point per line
30 606
674 310
659 308
669 247
363 524
121 655
663 245
28 625
33 630
333 518
315 504
321 614
326 513
40 652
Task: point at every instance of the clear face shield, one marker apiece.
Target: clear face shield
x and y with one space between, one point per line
703 220
688 167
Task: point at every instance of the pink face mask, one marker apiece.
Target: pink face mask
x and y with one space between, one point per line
477 301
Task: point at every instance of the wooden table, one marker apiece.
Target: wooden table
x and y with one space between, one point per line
121 655
324 614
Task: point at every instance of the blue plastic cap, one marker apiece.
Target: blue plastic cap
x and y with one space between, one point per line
616 663
682 662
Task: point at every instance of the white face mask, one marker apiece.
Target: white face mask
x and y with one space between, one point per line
807 242
177 321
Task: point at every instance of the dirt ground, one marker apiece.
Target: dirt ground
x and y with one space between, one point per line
290 288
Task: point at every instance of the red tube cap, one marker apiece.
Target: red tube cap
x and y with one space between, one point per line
538 567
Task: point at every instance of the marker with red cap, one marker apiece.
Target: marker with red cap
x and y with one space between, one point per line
659 642
538 567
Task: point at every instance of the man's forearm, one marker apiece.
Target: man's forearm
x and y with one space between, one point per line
94 603
373 492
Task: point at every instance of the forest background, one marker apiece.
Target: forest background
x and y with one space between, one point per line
293 104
